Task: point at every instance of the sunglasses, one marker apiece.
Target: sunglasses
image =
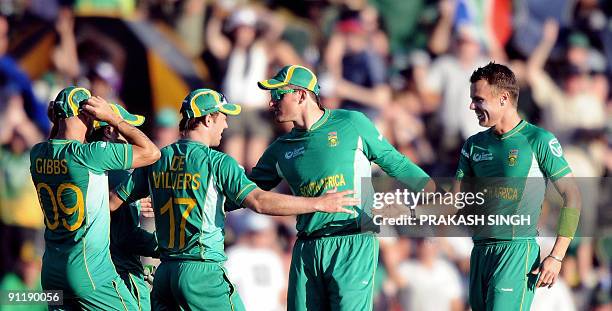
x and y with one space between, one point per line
277 94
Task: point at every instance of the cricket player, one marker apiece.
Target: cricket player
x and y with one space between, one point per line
189 186
128 241
505 263
70 177
334 258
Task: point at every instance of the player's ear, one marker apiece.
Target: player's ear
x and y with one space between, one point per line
504 98
207 120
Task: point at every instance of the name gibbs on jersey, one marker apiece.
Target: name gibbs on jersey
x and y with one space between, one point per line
176 178
50 166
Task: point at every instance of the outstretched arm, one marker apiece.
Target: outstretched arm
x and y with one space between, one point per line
270 203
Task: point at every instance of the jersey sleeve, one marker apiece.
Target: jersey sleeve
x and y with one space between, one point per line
464 169
135 187
549 154
378 150
264 174
104 156
233 180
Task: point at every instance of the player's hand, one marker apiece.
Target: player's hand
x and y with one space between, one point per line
97 108
334 202
146 208
549 271
149 273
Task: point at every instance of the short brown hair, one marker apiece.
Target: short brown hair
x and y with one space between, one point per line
191 123
500 77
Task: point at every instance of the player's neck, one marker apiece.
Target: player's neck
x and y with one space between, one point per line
310 116
507 123
197 136
71 129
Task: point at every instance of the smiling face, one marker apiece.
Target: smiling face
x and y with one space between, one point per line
487 103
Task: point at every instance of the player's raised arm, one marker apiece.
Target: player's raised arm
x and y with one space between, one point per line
270 203
144 150
566 229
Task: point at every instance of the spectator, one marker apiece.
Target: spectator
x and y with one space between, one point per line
105 81
447 91
25 277
64 59
10 71
255 266
165 129
360 74
20 214
431 282
246 62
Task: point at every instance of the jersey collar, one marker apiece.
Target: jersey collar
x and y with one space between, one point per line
318 124
510 133
189 141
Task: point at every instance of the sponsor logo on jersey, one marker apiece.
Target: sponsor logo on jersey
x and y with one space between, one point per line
464 153
555 147
483 156
512 157
314 188
292 154
332 139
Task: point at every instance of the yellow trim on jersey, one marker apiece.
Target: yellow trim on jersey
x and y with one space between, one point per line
516 131
125 157
136 288
326 114
244 189
559 171
526 274
119 295
86 266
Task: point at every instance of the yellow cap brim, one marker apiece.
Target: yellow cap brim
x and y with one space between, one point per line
271 84
230 109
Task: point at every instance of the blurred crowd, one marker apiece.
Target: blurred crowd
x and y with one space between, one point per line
404 64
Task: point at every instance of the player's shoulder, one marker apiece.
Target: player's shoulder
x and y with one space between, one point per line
356 118
347 114
36 149
478 137
534 132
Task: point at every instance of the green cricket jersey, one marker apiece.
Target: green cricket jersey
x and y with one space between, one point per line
511 170
72 185
188 187
128 240
335 152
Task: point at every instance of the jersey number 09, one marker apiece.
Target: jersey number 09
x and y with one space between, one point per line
56 200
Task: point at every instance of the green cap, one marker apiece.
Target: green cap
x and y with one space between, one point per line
295 75
166 117
204 101
133 119
68 101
